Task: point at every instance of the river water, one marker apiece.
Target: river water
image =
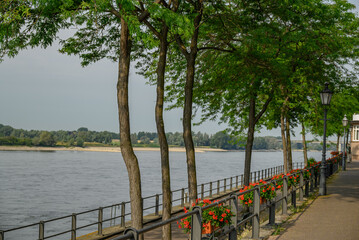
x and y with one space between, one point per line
38 186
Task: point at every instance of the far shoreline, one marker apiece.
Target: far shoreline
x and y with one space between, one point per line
102 149
117 149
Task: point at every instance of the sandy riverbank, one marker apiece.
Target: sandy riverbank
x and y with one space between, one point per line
100 149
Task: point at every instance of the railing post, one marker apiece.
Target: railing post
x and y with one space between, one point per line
202 191
285 194
123 213
182 197
263 174
306 192
255 219
272 209
301 185
170 202
242 180
210 189
157 204
2 235
314 177
234 208
73 226
294 198
237 181
224 185
196 228
217 187
100 219
231 183
251 179
41 230
272 213
255 177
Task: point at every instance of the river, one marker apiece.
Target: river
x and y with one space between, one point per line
38 186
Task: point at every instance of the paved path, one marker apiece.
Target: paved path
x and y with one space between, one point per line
331 217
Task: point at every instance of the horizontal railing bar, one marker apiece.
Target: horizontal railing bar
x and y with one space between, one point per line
55 219
246 220
85 226
17 228
57 234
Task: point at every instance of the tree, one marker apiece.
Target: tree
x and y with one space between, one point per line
46 139
105 29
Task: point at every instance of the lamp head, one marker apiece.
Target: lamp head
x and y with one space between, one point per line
326 95
345 121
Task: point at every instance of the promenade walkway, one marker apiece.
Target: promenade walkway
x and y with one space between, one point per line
331 217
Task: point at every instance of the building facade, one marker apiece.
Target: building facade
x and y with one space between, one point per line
354 140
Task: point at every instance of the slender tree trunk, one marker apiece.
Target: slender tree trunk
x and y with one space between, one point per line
123 111
165 165
304 146
338 141
289 145
250 139
187 111
187 130
284 142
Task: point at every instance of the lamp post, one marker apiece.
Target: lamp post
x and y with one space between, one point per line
345 122
325 97
350 137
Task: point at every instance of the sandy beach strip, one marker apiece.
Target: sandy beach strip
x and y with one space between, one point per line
101 149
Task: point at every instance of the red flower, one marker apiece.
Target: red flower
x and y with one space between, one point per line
224 215
214 217
221 220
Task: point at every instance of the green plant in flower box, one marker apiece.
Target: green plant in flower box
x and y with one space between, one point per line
247 198
279 181
216 216
306 174
268 192
293 180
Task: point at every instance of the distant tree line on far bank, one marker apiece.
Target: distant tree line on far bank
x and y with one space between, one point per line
83 137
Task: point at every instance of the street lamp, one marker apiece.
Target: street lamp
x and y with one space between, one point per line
325 97
350 137
345 122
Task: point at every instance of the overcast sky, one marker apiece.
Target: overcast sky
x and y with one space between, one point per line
44 90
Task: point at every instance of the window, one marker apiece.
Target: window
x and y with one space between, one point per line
356 133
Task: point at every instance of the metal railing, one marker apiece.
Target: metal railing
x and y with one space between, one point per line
288 193
120 211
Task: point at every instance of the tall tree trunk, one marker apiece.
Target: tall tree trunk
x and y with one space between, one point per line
338 141
250 139
305 151
123 111
289 145
187 130
187 110
284 142
165 165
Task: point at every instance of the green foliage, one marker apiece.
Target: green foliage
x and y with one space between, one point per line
10 141
46 139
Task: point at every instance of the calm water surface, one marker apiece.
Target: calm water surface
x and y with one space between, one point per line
38 186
